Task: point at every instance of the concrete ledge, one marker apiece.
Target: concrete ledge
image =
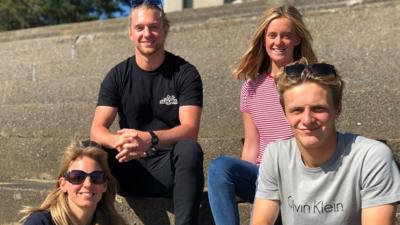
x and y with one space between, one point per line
39 119
137 211
15 194
191 16
154 211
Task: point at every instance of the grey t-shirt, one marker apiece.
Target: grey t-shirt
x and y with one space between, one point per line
361 174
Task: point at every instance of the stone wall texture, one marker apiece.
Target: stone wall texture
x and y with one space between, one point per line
50 76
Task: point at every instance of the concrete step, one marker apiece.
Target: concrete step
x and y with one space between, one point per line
58 69
36 50
46 120
37 157
31 158
253 8
17 193
77 97
86 45
50 91
34 44
359 117
48 50
98 45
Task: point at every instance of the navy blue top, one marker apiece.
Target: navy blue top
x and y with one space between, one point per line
39 218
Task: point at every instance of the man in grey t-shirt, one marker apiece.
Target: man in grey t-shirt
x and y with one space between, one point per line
321 176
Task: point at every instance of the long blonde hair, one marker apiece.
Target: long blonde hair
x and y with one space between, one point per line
56 201
256 60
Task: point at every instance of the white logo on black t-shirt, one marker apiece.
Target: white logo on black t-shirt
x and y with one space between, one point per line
169 100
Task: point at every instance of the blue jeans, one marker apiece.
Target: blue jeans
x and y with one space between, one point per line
229 177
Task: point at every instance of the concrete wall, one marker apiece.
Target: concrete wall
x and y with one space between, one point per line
173 5
207 3
42 109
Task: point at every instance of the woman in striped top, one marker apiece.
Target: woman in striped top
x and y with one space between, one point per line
280 38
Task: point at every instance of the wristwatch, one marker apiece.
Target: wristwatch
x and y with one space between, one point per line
154 142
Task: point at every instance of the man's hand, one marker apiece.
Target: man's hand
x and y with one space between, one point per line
132 144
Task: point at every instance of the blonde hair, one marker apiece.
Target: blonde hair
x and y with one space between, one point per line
333 81
256 60
56 201
146 5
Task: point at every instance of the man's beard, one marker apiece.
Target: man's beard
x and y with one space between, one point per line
149 51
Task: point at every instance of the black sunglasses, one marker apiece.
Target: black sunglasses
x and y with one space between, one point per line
89 143
158 3
79 176
317 69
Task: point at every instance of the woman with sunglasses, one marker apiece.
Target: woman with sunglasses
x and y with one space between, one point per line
280 38
84 193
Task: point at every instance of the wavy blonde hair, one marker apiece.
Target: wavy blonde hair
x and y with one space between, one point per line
56 201
256 60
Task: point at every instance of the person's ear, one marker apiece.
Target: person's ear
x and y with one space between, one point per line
63 184
130 35
166 30
105 187
338 111
297 41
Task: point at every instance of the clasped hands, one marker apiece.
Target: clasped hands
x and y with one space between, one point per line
132 144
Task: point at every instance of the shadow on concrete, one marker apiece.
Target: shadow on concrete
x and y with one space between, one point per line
155 211
152 212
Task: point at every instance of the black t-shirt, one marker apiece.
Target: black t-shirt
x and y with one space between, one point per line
39 218
150 100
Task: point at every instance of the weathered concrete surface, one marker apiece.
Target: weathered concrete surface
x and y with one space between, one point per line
17 193
42 109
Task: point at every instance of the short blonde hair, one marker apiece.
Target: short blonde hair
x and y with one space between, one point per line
146 5
333 81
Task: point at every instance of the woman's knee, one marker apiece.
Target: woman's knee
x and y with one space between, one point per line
221 166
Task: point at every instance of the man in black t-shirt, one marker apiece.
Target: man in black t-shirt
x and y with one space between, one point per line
158 97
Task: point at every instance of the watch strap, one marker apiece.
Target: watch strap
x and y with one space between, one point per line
154 138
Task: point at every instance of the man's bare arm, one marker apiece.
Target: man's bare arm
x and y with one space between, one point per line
380 215
104 116
189 117
251 142
265 212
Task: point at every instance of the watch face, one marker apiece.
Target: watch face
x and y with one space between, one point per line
153 150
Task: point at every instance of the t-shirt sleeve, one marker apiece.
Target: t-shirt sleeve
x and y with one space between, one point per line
380 177
191 90
109 94
39 218
267 180
243 97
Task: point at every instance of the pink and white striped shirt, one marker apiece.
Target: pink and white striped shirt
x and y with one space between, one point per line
260 99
